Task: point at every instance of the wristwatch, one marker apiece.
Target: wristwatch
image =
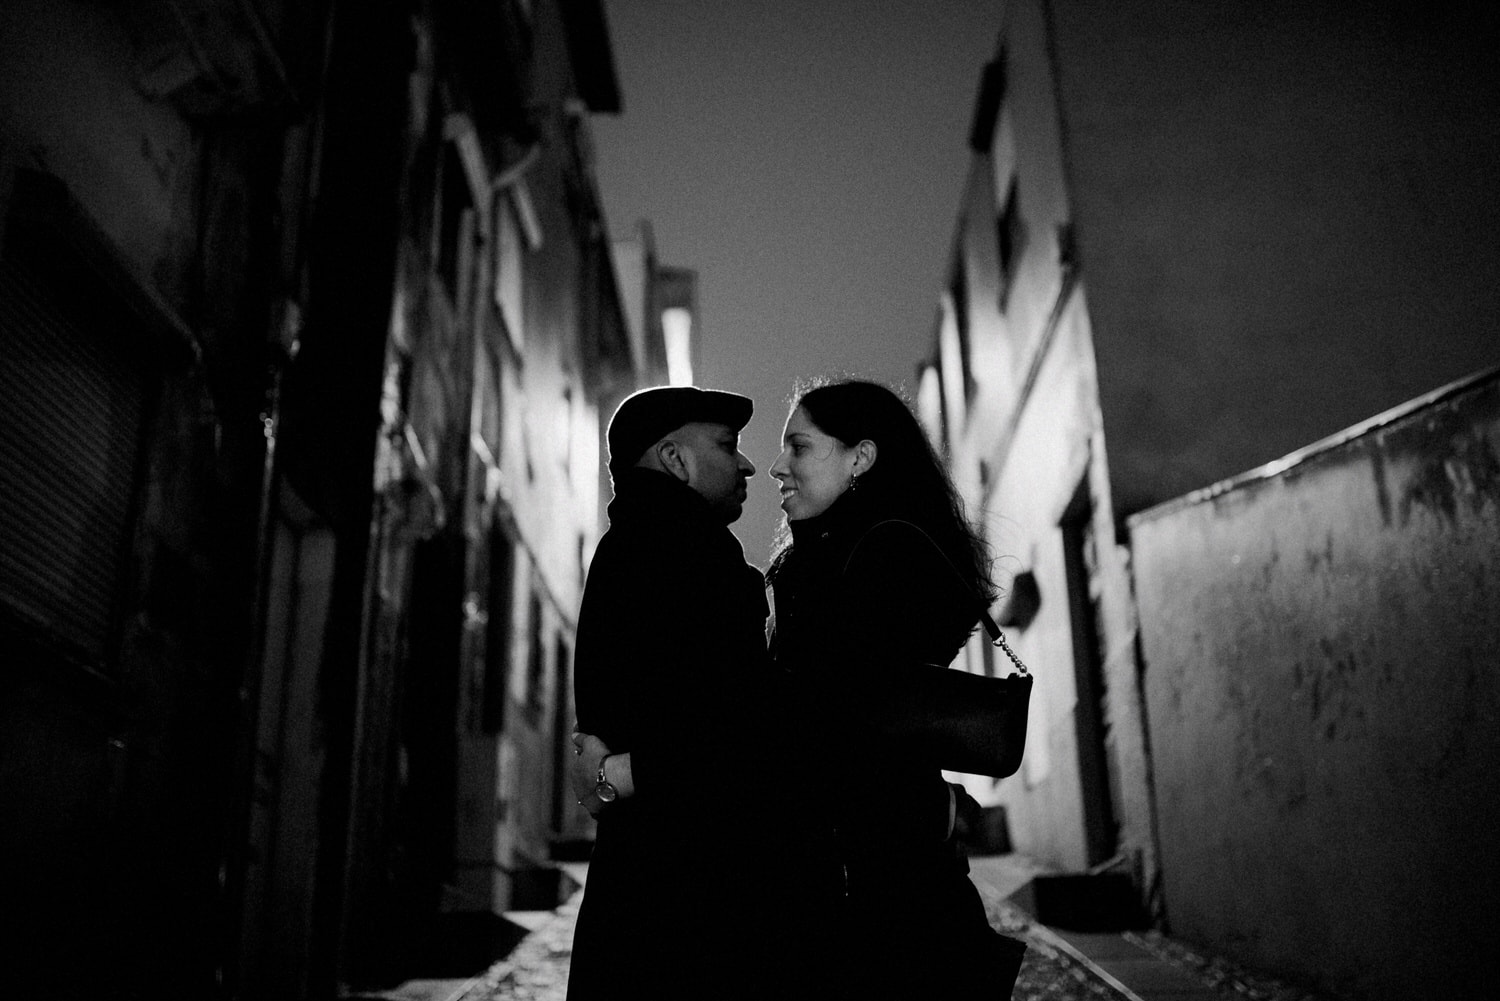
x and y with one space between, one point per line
604 788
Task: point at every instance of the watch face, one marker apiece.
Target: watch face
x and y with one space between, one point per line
606 792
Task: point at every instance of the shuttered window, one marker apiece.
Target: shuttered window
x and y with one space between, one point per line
73 404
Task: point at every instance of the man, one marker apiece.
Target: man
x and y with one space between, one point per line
693 887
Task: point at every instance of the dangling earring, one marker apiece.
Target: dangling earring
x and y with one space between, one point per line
853 482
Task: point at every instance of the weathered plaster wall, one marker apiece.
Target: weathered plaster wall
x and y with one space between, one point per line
117 759
69 106
1322 653
1044 801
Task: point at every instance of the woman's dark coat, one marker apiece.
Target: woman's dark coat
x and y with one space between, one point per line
859 598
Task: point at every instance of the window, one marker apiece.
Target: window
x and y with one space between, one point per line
487 404
452 231
987 106
951 372
563 715
930 403
1010 237
958 290
536 658
677 332
497 640
1100 784
510 248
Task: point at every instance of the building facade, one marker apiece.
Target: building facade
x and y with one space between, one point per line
1194 238
310 327
1011 391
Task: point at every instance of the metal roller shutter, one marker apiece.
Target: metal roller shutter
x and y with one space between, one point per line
73 401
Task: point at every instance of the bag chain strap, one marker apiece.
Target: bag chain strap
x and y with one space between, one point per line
999 641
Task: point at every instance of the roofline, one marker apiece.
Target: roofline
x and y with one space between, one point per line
1273 469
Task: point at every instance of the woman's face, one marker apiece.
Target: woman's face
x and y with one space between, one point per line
813 468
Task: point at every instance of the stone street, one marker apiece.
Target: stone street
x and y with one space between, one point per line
1059 966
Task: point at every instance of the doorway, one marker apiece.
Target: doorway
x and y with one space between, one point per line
1097 781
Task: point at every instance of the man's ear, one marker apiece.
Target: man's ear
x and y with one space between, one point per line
865 454
669 454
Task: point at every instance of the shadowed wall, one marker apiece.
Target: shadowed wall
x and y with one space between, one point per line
1320 649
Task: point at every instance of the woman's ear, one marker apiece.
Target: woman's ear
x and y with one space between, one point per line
865 454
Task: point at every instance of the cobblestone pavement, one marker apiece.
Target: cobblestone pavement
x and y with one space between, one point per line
538 968
1046 973
1230 979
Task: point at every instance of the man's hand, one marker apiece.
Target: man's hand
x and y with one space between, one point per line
968 815
588 751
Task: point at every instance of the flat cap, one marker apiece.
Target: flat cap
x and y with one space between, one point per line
647 416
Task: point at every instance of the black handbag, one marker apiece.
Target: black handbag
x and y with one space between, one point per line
974 724
963 722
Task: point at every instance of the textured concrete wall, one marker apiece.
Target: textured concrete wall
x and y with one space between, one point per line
1322 665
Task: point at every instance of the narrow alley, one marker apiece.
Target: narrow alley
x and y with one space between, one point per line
1059 965
1173 327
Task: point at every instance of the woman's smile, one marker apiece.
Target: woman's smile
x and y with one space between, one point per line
814 468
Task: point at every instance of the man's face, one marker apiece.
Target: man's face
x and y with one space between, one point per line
716 467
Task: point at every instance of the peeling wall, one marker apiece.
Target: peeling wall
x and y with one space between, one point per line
1321 646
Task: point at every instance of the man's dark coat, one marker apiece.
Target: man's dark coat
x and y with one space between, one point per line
687 876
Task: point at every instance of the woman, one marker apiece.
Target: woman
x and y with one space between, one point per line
876 576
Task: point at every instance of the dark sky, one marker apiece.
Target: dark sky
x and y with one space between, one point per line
806 158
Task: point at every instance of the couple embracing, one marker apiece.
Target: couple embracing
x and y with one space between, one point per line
766 826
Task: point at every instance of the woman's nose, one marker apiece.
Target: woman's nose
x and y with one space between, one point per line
778 468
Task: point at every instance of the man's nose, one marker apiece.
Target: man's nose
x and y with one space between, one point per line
746 466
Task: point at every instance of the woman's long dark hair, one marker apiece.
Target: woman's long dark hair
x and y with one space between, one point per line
908 479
